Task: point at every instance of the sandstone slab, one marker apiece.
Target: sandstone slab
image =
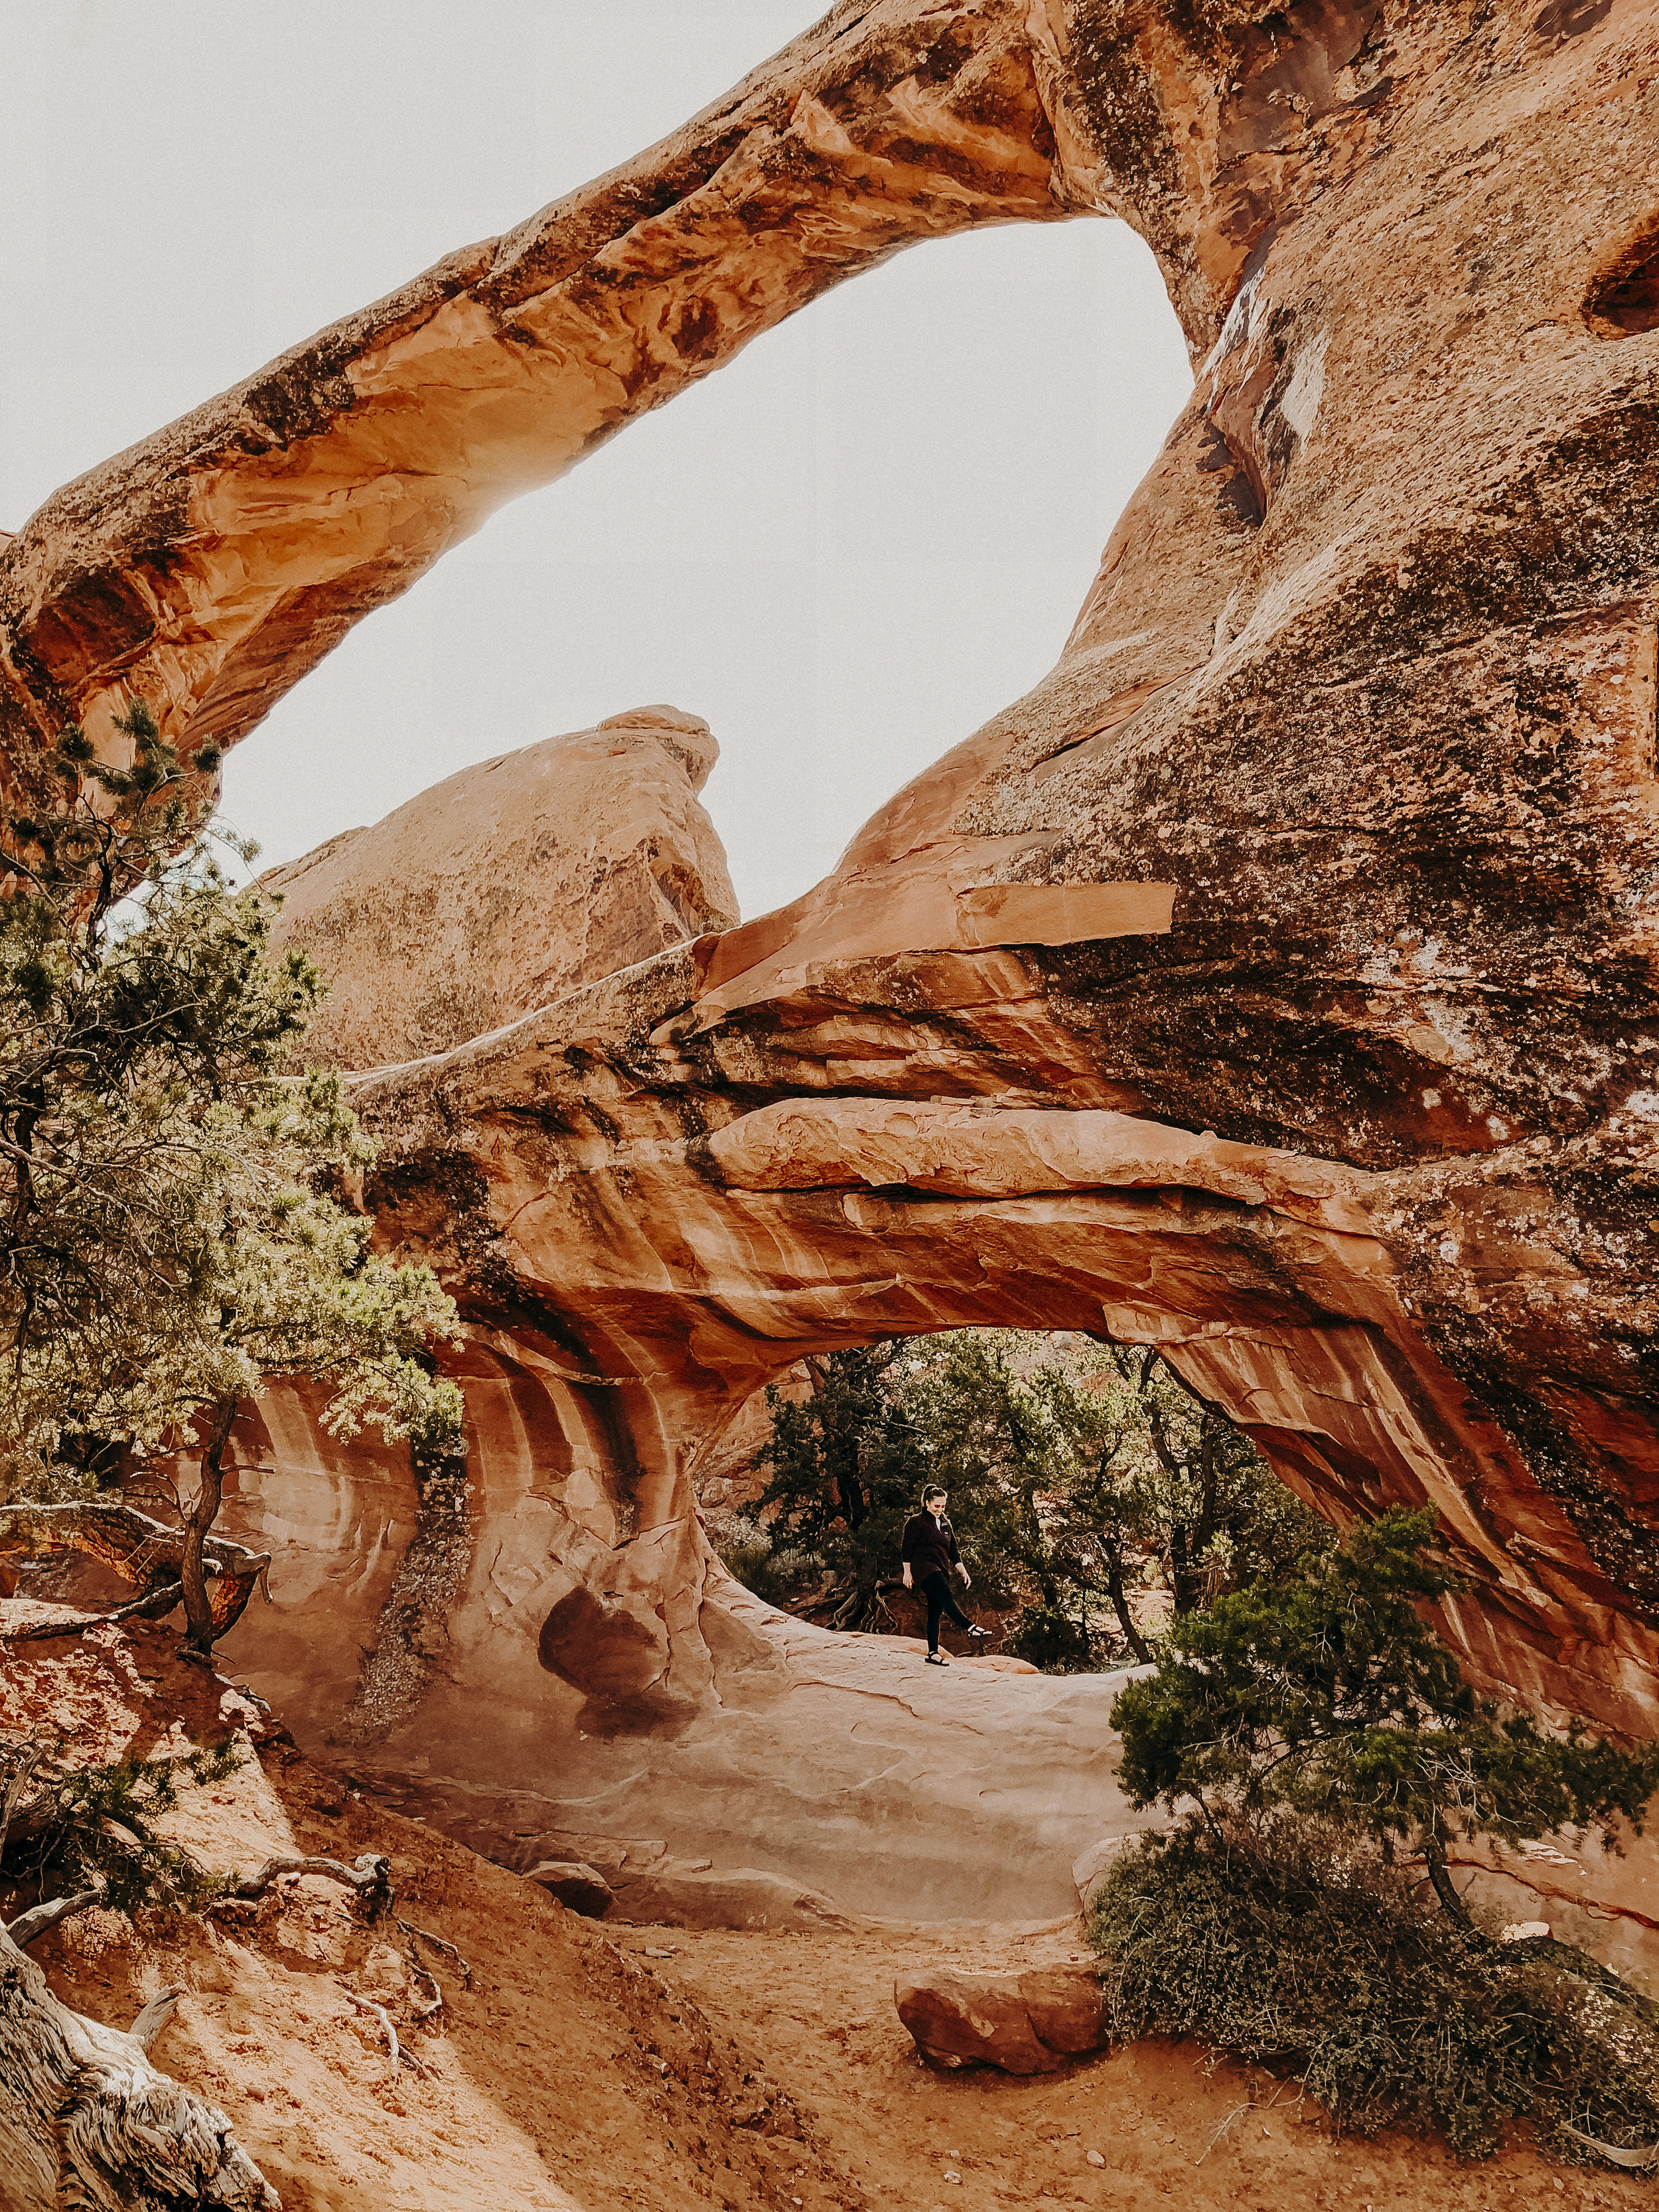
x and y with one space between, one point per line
672 1895
1033 2022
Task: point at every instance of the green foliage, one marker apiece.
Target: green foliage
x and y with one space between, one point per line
1051 1641
97 1831
850 1465
1070 1473
1331 1695
1290 1942
171 1228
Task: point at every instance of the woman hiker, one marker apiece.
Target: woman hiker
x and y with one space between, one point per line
929 1554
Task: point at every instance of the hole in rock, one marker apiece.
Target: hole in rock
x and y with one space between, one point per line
1625 299
1090 1493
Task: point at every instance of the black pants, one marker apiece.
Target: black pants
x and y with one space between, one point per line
936 1591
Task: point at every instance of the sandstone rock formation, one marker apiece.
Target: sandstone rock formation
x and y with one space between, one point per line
507 886
1274 983
1026 2023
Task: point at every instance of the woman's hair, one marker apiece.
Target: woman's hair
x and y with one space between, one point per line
933 1490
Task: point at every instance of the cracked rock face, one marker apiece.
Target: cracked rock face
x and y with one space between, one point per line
1273 983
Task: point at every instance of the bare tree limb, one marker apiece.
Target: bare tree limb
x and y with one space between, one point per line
154 2018
142 1551
33 1924
151 1608
370 1875
424 2007
33 1755
86 2119
399 2056
439 1944
1615 2156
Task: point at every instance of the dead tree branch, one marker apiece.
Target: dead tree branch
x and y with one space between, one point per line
86 2119
369 1874
144 1552
439 1944
154 2017
30 1925
399 2056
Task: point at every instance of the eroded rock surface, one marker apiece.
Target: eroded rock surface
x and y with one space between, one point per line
506 886
1274 983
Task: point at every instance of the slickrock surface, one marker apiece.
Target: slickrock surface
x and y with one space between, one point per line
506 886
1273 983
509 1708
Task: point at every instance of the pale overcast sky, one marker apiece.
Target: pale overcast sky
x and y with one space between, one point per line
846 549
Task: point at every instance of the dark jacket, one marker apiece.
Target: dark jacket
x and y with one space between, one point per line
930 1546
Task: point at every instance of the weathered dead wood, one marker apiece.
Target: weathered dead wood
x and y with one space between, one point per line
28 1927
399 2056
17 1781
152 1607
369 1874
143 1551
154 2017
1615 2155
86 2120
439 1944
424 2008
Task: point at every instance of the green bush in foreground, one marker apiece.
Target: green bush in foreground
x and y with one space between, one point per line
1305 1912
94 1827
1292 1942
1332 1695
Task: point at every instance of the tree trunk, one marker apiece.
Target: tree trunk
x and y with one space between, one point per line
1209 1484
1119 1597
1439 1874
85 2119
133 1546
202 1513
1184 1578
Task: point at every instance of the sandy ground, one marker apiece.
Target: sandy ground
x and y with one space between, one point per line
579 2068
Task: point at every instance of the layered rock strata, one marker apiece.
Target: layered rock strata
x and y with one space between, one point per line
1273 983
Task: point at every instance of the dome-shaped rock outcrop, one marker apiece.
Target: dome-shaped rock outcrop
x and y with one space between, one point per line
506 886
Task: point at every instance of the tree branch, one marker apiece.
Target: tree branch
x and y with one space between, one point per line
370 1875
39 1919
150 1608
154 2018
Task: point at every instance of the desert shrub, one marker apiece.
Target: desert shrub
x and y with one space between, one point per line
1291 1941
1052 1641
1332 1695
94 1828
